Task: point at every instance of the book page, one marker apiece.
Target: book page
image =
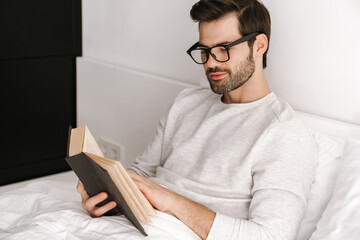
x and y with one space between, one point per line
76 140
142 205
90 145
138 194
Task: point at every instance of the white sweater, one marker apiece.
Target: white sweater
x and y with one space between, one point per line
251 163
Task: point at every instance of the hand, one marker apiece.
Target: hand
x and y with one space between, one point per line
158 196
89 203
196 216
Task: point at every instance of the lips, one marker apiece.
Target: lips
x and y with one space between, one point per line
218 75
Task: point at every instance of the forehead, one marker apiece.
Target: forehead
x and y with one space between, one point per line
225 29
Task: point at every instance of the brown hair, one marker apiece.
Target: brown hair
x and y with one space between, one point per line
252 15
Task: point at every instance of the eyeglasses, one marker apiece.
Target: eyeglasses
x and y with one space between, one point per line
220 53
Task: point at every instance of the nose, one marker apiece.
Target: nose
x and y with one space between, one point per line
211 62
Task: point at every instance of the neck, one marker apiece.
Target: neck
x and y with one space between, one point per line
254 89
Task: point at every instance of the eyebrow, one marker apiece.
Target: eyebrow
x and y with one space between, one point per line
218 44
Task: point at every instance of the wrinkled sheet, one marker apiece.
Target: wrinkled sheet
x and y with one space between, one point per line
52 210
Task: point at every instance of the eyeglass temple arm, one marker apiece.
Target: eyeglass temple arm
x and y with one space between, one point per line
244 39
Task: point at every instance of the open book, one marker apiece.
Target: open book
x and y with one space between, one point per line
100 174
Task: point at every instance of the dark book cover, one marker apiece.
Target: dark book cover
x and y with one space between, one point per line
97 180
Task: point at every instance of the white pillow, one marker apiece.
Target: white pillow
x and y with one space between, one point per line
341 218
330 151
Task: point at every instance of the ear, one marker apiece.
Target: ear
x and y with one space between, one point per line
260 45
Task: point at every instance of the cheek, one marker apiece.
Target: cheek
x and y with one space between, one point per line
235 62
235 59
240 54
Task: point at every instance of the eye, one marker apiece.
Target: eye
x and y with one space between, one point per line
203 51
222 49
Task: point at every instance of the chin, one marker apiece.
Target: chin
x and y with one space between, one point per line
217 89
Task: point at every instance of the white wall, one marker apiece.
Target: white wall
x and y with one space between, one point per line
151 36
134 65
313 62
314 58
116 103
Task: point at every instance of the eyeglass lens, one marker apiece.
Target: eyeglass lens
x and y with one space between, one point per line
201 55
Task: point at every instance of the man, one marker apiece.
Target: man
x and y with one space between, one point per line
236 164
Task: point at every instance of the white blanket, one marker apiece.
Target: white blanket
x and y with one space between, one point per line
52 210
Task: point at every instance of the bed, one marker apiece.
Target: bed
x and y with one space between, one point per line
50 207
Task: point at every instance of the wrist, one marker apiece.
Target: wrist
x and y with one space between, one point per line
176 203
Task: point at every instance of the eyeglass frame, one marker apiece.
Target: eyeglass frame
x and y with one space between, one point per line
227 47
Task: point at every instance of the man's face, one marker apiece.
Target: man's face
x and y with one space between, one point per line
227 76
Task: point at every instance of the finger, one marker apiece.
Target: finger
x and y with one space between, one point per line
132 174
91 202
81 189
97 212
137 178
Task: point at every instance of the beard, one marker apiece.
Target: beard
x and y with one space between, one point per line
237 76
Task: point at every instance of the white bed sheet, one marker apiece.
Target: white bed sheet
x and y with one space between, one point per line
50 208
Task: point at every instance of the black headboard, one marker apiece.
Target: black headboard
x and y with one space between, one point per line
38 47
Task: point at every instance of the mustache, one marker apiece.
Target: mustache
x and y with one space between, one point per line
217 69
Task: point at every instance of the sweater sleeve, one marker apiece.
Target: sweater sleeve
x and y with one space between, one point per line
283 170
